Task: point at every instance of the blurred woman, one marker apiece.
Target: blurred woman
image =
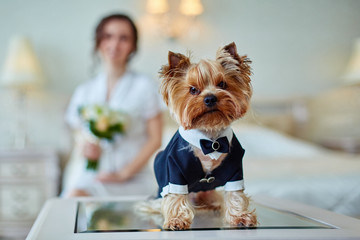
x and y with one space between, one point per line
121 166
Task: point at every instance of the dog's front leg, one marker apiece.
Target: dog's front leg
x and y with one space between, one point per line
177 211
237 209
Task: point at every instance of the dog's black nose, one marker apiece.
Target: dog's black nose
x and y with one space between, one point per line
210 100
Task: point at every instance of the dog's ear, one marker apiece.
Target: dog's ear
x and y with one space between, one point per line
229 58
177 66
172 73
231 48
229 53
177 60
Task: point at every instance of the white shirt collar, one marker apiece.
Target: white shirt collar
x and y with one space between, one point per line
193 137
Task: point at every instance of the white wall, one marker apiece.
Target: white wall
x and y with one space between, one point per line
298 48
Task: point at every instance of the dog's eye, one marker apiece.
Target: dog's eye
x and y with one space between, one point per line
222 85
194 91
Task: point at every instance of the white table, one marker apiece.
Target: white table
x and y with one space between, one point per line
57 220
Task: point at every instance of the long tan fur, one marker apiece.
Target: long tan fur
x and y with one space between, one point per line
184 87
237 209
177 211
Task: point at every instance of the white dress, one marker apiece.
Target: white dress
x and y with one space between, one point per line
136 96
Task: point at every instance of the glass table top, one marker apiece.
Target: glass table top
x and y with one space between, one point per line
98 216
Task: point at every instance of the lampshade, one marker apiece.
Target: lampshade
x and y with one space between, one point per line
191 7
352 73
157 6
21 68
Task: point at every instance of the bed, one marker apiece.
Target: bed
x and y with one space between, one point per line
281 166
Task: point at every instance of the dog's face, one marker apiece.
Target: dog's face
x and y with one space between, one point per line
208 95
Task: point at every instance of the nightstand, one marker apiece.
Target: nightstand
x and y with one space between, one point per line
27 179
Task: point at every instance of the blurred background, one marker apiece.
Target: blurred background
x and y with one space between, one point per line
306 74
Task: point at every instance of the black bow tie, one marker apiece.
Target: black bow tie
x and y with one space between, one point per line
219 145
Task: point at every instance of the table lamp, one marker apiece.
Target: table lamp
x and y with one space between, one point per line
21 71
352 73
335 114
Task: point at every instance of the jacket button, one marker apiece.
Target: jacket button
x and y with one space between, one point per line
210 179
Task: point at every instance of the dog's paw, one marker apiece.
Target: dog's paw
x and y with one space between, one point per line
246 219
177 224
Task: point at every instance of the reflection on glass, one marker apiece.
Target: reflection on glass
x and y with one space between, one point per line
121 217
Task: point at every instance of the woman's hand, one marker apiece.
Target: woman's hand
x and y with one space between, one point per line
112 177
154 132
91 151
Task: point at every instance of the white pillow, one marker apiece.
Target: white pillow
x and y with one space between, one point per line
260 141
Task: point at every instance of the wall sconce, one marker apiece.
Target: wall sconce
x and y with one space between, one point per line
191 7
157 6
21 72
172 20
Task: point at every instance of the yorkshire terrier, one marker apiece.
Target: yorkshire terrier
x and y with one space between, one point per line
204 98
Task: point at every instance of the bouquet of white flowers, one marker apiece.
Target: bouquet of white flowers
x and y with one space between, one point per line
103 123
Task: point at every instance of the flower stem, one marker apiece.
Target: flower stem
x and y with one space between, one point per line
92 164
